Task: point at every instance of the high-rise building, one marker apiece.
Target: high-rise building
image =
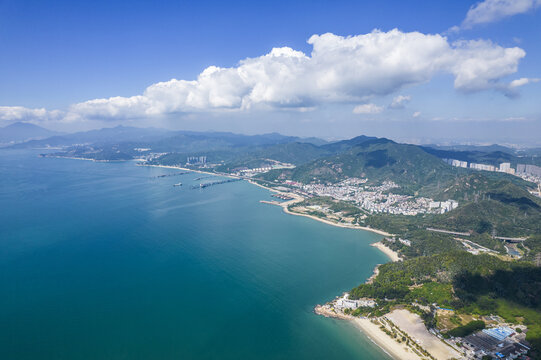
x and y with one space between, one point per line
459 163
196 160
504 167
524 169
484 167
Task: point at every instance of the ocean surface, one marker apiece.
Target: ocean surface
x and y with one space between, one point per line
107 261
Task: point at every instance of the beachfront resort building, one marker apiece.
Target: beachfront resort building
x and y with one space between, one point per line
346 303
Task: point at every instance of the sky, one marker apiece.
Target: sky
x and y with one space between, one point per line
416 71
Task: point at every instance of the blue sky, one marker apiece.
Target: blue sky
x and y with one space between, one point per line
57 54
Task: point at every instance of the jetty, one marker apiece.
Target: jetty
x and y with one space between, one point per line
174 174
205 185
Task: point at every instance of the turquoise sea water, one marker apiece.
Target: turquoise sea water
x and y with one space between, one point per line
106 261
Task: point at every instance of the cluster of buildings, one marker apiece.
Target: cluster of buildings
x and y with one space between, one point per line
504 167
196 160
148 156
443 206
499 342
400 240
532 170
247 172
521 170
525 171
377 199
346 303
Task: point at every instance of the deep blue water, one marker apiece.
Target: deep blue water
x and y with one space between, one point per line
106 261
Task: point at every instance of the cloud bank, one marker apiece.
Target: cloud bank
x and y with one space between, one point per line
339 69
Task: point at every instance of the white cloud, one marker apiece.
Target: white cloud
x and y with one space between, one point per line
523 81
416 114
338 70
480 64
21 113
400 101
493 10
367 109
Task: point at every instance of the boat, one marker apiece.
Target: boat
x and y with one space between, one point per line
178 184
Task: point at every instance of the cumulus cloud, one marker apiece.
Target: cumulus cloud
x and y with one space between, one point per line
400 101
523 81
493 10
338 70
367 109
21 113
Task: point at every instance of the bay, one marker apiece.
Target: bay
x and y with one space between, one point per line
107 261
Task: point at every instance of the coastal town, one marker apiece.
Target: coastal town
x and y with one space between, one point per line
377 198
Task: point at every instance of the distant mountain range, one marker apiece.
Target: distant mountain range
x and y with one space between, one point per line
417 169
20 132
164 140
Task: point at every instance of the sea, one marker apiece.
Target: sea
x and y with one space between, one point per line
107 260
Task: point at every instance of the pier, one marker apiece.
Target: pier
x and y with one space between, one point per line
205 185
175 174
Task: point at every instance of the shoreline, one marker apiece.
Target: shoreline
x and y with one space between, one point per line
373 332
192 170
383 341
391 254
299 198
284 205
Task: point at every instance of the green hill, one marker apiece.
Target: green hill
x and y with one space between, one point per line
378 160
502 207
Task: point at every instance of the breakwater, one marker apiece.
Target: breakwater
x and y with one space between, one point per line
205 185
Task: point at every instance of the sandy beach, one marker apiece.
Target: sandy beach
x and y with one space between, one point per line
193 170
374 333
413 325
393 255
384 341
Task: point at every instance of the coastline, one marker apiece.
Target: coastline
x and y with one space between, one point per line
298 198
384 341
285 204
373 333
80 158
192 170
393 255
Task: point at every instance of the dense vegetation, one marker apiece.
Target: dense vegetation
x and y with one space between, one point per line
480 285
469 328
